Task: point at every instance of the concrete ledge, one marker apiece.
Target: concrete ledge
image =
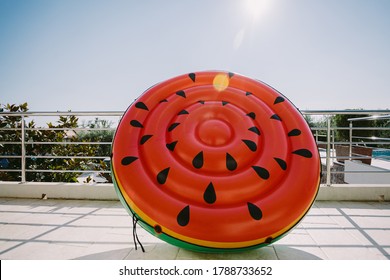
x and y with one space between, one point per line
58 190
345 192
356 192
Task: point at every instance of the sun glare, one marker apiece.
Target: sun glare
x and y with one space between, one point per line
256 8
253 12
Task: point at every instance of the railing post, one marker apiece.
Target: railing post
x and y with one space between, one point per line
350 140
23 143
328 153
333 145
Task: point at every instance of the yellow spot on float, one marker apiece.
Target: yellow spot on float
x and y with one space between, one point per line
221 81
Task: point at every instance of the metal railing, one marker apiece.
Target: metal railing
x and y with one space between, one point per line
24 144
33 149
343 143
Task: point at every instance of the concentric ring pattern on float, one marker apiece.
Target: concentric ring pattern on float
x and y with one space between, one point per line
215 161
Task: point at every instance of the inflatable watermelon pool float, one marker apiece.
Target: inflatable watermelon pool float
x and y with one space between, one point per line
214 161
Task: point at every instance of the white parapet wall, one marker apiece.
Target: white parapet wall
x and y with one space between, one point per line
365 173
58 190
347 192
355 192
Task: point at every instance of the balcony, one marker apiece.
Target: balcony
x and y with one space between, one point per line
45 216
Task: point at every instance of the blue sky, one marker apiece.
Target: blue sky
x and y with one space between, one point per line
101 55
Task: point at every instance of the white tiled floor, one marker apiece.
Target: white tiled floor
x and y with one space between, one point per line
79 229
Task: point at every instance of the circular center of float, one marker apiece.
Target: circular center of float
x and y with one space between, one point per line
214 132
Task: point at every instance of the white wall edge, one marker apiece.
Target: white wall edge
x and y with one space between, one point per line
58 191
355 192
344 192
